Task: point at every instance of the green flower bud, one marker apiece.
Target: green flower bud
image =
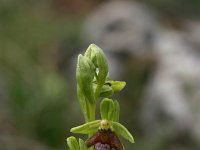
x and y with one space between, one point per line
87 127
72 143
117 86
119 129
85 73
82 145
99 59
107 109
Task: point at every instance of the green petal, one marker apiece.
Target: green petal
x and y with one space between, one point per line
121 130
107 109
82 145
72 143
87 127
117 86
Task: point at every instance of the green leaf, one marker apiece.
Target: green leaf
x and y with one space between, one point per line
121 130
116 111
85 73
82 145
87 128
82 102
117 86
72 143
107 109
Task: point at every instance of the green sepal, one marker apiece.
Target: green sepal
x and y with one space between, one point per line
117 86
107 109
82 145
116 111
72 143
119 129
87 128
85 73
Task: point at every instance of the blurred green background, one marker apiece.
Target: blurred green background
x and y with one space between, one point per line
39 41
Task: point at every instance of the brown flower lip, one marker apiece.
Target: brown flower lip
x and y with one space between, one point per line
105 137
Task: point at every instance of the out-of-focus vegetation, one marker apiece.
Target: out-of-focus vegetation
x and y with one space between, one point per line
176 8
36 42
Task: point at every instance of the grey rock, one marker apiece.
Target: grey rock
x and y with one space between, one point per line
123 29
121 25
172 97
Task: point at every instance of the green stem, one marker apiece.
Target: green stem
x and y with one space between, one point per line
92 110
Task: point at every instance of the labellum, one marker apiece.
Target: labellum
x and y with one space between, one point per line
104 140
